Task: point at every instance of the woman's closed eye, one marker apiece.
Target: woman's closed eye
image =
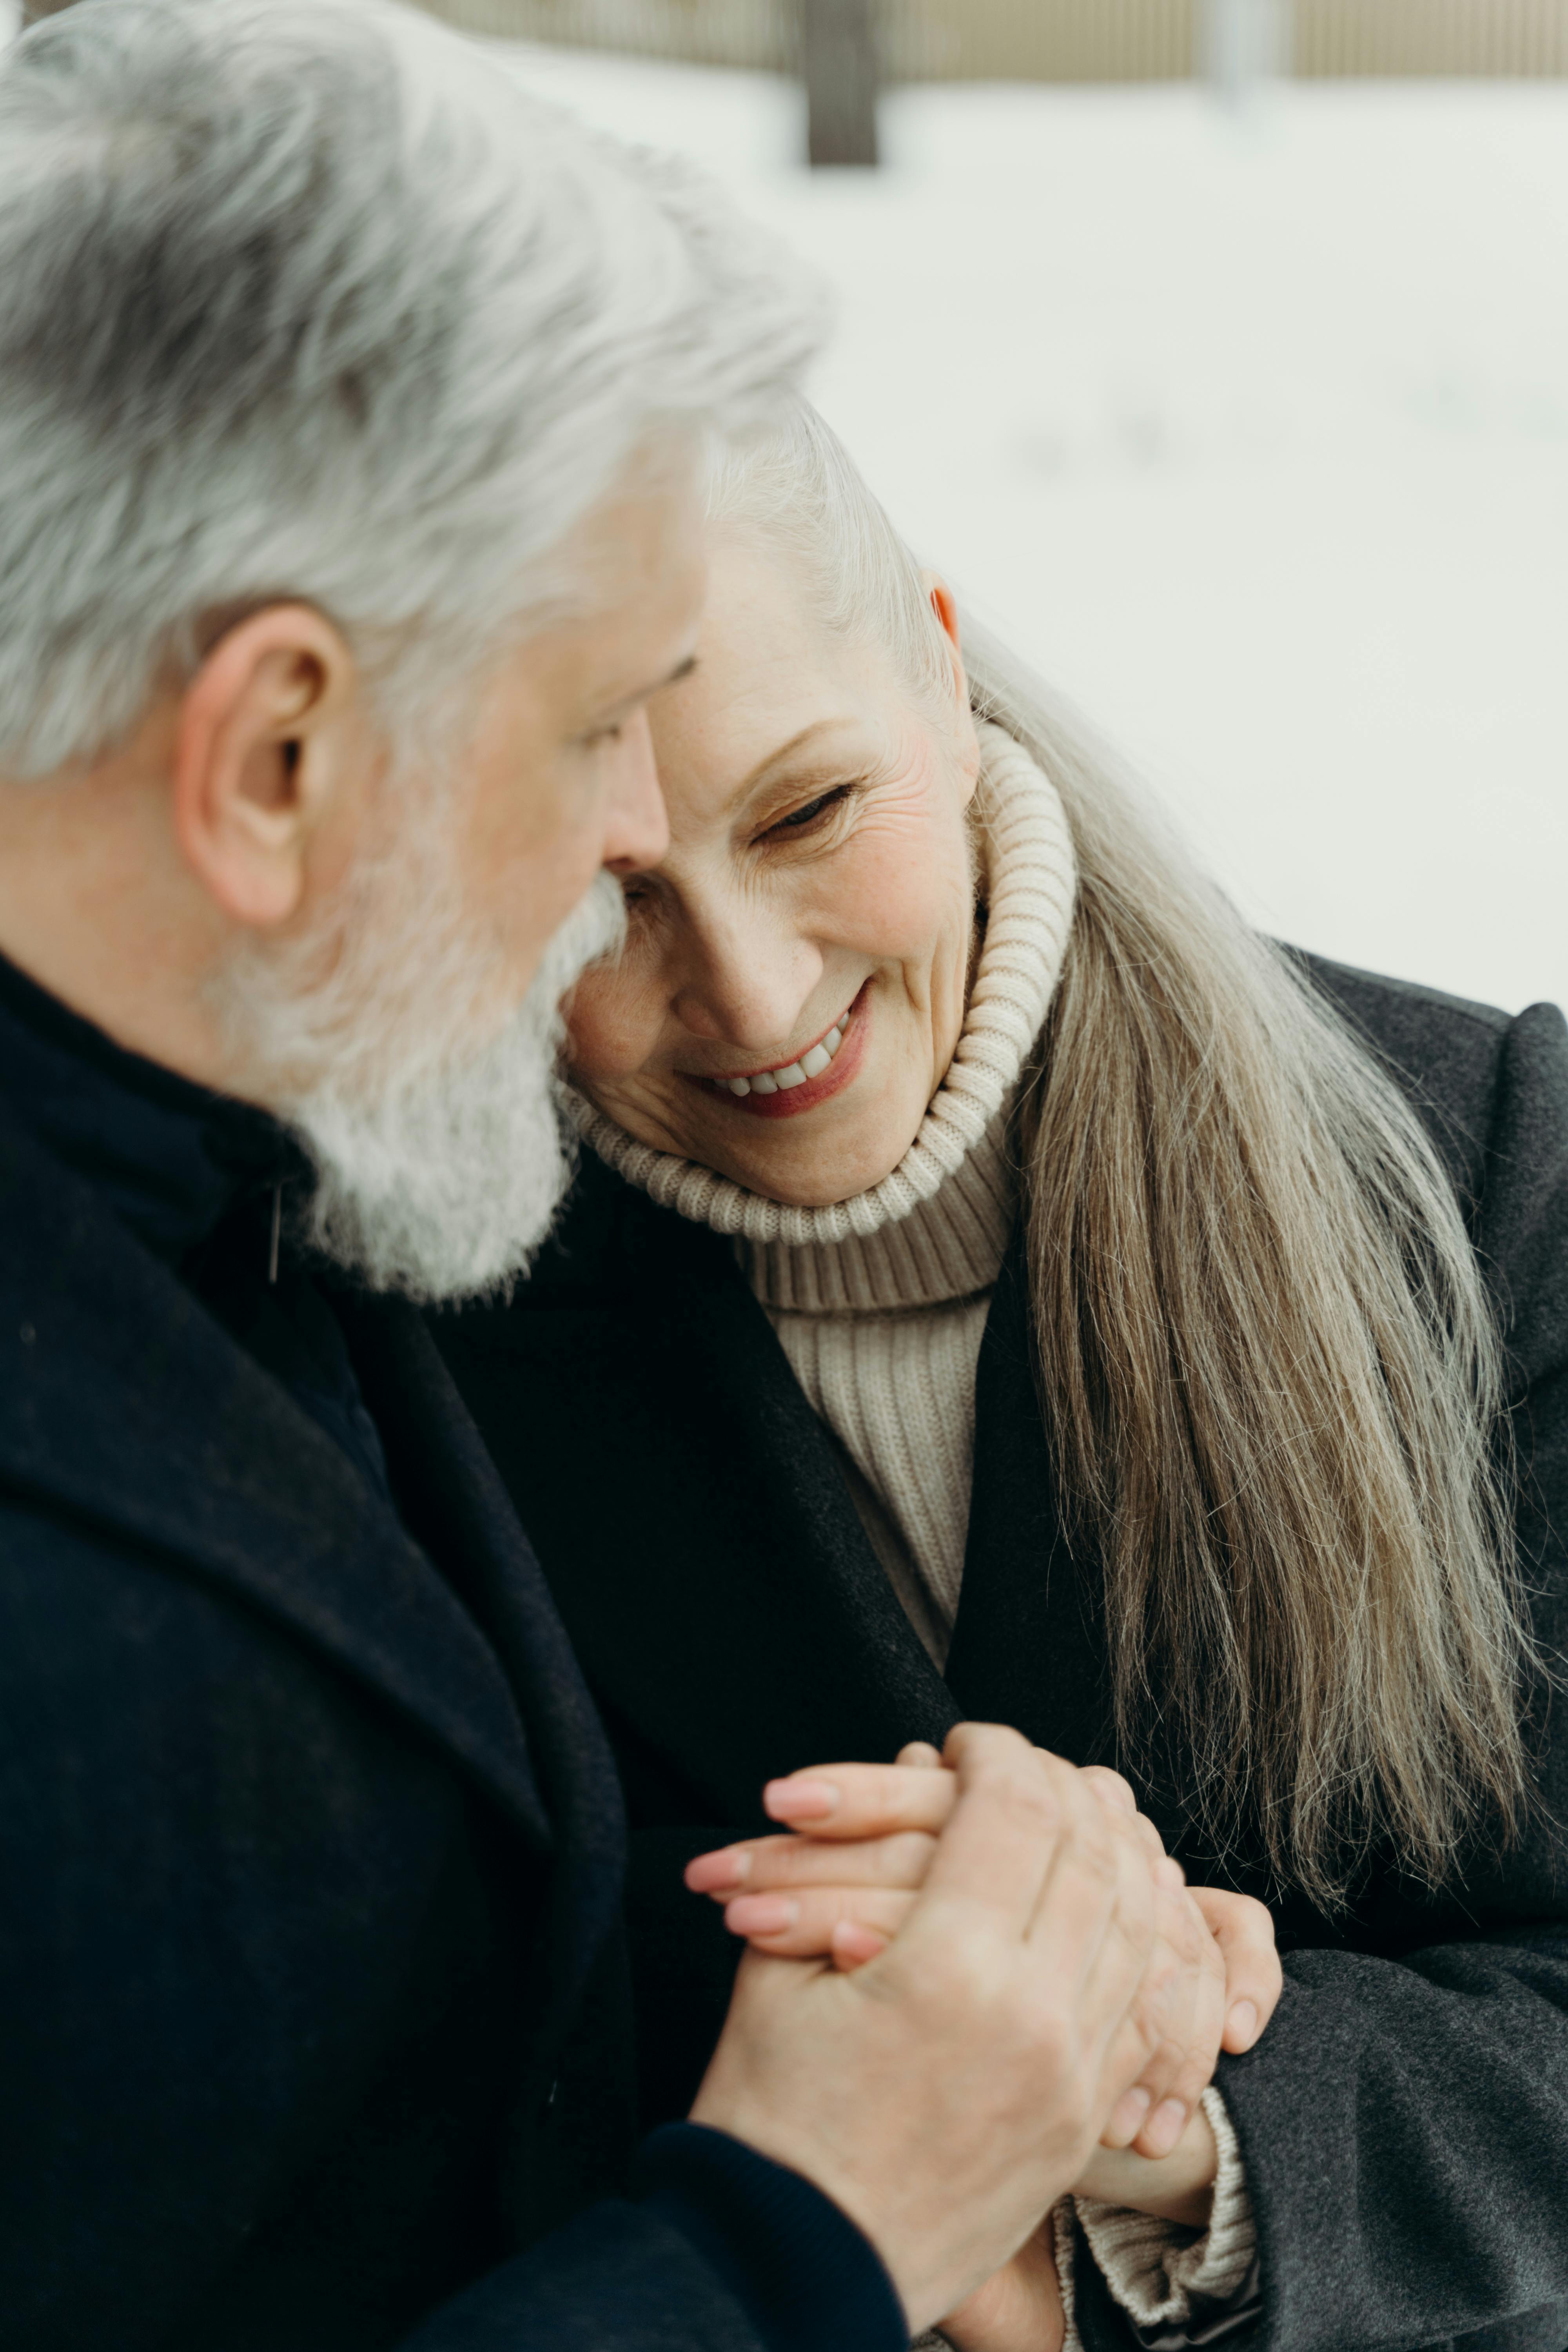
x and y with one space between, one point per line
811 812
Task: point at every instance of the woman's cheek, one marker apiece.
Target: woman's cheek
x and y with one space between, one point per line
897 891
604 1037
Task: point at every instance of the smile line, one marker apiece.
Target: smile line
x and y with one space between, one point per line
786 1075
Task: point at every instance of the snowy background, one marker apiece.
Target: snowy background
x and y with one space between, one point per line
1249 428
1252 430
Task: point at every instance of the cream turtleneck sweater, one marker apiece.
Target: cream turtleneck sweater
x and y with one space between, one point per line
880 1303
886 1349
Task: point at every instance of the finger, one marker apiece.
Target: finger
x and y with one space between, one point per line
1111 1787
1254 1978
1163 2008
1096 1914
993 1854
1141 2049
1167 1871
919 1756
723 1872
1119 1795
762 1864
858 1800
1172 2111
1114 2037
800 1926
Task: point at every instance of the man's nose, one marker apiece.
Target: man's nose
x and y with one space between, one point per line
636 823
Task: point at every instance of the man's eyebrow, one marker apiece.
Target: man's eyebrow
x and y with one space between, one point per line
641 693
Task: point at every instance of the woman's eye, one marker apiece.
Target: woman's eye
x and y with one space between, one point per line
798 819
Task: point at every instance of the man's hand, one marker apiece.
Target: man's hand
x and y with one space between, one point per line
947 2092
844 1885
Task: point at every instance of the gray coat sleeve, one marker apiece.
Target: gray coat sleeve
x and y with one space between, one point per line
1404 2122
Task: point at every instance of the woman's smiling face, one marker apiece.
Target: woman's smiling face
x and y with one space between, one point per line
795 976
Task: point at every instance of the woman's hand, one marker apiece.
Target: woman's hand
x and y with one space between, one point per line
1019 2309
843 1884
1178 2186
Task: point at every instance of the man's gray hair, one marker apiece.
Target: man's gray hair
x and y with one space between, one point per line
306 299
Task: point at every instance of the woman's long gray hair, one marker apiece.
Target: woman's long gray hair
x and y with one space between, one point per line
1270 1372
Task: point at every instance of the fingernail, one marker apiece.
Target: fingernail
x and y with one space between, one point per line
800 1800
1164 2127
1241 2025
1127 2116
709 1874
761 1915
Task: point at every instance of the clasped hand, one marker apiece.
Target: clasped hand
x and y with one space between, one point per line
1041 2002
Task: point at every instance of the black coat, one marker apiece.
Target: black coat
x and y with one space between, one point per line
312 2011
1404 2119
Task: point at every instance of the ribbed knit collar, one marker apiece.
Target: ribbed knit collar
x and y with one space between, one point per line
937 1227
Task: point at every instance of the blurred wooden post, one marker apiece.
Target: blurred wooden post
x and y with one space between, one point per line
838 54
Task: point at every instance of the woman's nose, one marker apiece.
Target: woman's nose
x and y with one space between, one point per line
750 991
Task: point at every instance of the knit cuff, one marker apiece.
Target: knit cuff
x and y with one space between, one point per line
1180 2287
807 2277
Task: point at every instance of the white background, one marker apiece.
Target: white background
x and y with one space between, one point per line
1252 431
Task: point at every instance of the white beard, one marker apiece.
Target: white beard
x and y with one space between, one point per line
440 1164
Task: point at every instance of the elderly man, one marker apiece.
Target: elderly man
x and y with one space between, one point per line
349 418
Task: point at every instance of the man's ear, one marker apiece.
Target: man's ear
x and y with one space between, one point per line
944 607
260 756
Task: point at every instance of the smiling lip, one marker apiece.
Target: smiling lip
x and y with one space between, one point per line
789 1102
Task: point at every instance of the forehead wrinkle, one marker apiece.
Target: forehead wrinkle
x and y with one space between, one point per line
763 773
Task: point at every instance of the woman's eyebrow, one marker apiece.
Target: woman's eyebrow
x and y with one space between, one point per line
765 768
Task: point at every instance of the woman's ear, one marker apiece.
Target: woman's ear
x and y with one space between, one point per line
261 758
944 607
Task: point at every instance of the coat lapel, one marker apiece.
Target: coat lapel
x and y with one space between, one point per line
689 1513
453 1498
123 1403
1028 1646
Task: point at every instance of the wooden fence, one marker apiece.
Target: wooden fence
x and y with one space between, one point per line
1055 40
1431 37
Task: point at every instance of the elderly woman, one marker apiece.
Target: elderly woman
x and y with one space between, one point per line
1012 1288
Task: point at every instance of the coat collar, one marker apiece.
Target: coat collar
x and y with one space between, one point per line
123 1403
689 1510
1028 1642
702 1541
452 1495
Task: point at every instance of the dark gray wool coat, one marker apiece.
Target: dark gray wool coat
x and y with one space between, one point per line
1403 2121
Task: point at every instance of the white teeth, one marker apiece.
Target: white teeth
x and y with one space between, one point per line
811 1065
